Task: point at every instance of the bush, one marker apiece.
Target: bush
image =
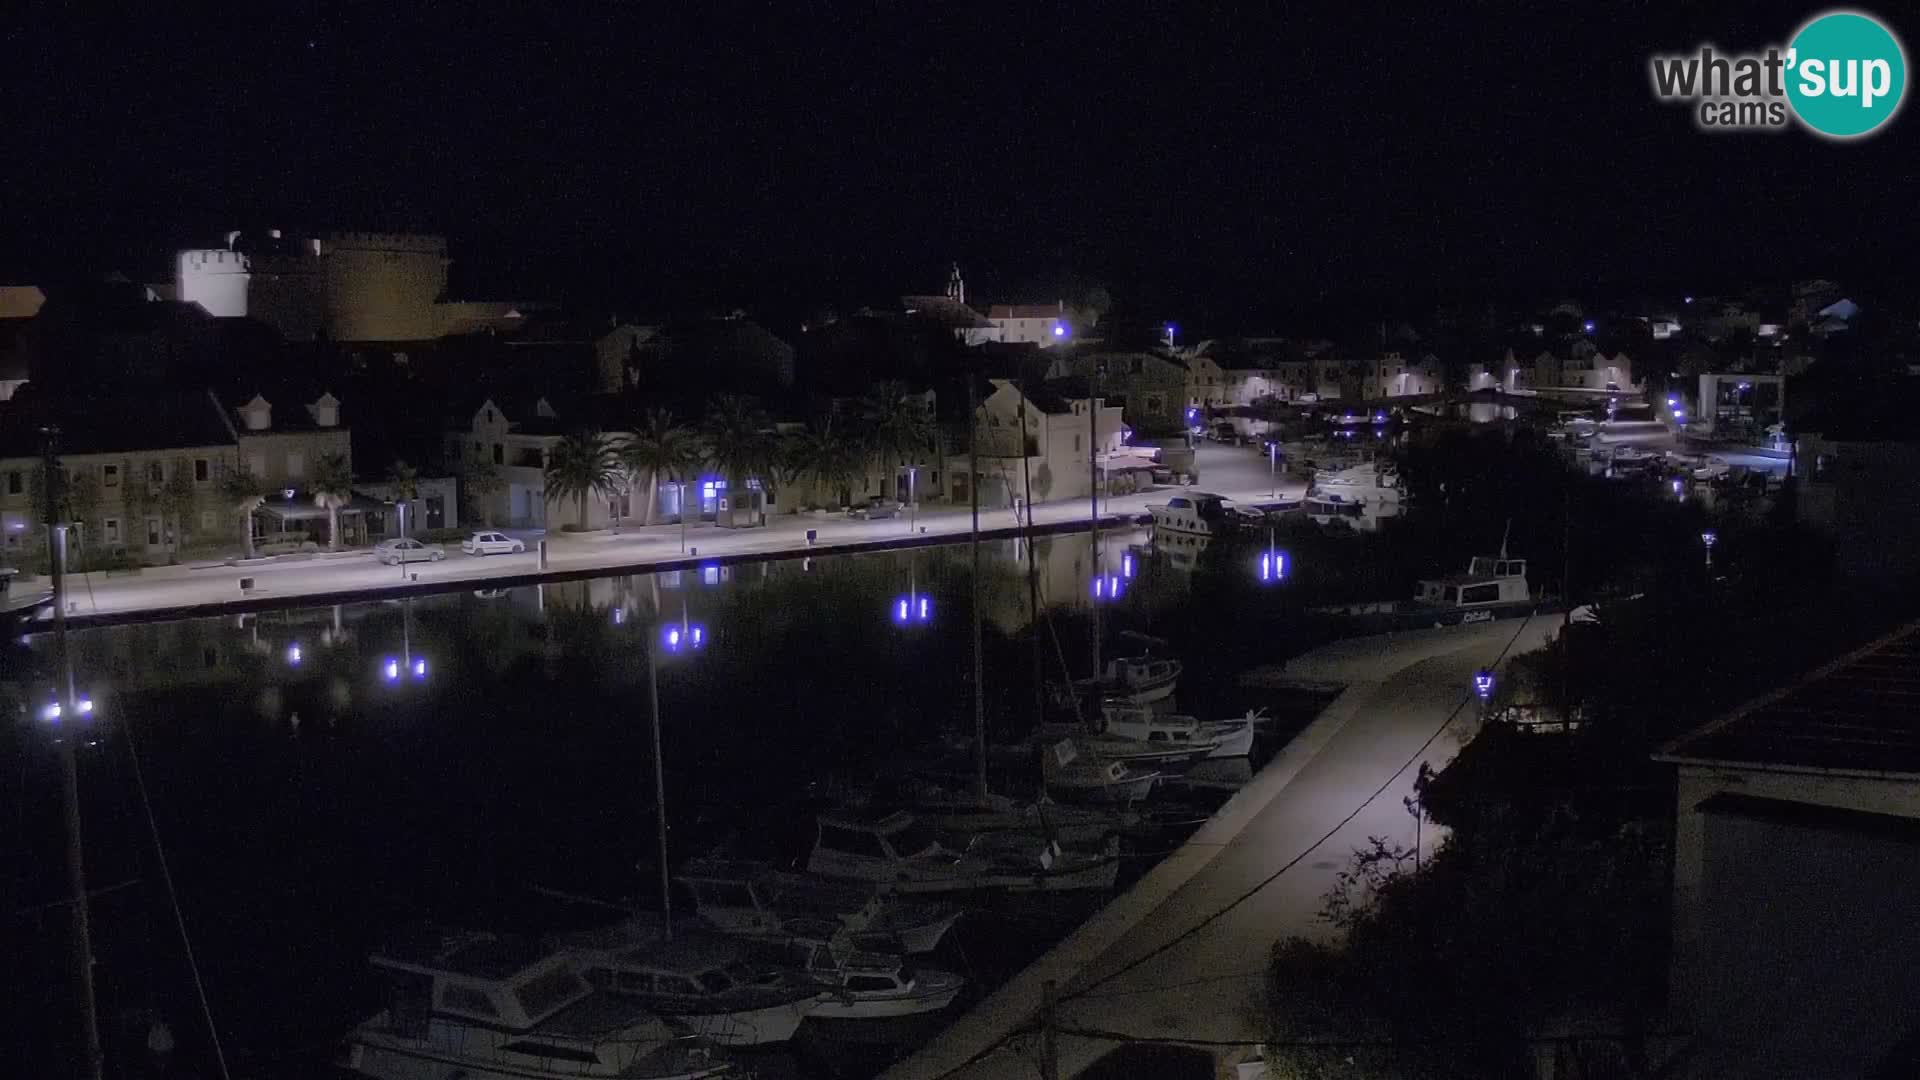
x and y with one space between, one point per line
441 536
574 527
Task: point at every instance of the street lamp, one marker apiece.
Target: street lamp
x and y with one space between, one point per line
678 639
1273 467
1108 586
288 520
1707 540
1483 684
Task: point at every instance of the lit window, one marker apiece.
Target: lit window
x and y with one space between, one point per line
110 475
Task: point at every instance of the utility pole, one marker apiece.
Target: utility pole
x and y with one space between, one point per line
81 934
979 691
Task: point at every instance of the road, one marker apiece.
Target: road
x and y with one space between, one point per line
1238 473
1341 781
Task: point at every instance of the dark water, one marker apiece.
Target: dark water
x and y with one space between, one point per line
319 776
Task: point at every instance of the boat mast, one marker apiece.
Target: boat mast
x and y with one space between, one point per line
1093 485
82 928
1033 573
979 699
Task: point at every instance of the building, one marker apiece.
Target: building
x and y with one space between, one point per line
515 435
1734 406
281 446
143 475
1796 835
342 286
1397 374
1045 325
950 310
1151 388
1861 488
1046 442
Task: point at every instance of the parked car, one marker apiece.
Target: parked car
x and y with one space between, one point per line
491 543
875 509
394 552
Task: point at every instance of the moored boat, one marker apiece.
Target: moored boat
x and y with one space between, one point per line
871 986
1074 776
466 1003
1494 587
1230 738
701 980
1137 680
900 853
754 900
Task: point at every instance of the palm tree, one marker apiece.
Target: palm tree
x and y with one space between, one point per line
659 446
737 439
830 453
244 493
483 481
897 428
332 486
580 466
404 481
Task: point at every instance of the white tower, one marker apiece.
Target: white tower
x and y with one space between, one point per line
956 286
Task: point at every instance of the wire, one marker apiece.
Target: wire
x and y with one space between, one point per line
1297 859
173 899
1174 986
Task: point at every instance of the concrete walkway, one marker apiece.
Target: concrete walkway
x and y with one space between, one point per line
342 577
1339 782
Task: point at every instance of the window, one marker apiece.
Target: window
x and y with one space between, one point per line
113 530
153 532
208 519
870 984
551 1052
202 470
499 454
16 483
1076 443
1480 594
156 473
467 999
296 463
110 475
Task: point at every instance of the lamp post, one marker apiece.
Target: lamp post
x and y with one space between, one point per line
1707 540
679 639
1273 466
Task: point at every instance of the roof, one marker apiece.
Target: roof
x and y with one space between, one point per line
472 953
1792 812
1025 311
1859 715
114 425
946 311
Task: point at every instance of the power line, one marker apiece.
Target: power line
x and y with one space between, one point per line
1297 859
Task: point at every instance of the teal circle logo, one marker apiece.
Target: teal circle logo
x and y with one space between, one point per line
1846 74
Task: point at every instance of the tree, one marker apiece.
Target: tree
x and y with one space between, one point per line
483 481
737 438
37 482
177 499
141 501
332 485
404 480
898 429
830 453
659 446
580 466
244 494
82 500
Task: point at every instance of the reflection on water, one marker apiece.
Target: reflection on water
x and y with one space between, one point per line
324 774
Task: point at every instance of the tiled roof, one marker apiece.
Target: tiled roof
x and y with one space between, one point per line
946 311
1859 714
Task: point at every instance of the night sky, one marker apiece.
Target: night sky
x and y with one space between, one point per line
1229 168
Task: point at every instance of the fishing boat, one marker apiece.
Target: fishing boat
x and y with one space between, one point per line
870 986
901 853
701 980
21 603
754 900
1494 587
1071 775
1231 738
958 816
1136 680
466 1003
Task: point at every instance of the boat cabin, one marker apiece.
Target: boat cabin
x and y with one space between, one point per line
682 971
893 836
470 975
1146 725
748 897
1199 512
1136 671
1488 581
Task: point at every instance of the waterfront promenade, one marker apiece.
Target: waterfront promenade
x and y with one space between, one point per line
1180 956
342 577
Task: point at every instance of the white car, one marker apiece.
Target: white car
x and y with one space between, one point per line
491 543
394 552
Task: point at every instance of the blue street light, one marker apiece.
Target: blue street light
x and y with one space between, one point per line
294 656
1273 567
391 669
51 714
1108 586
912 608
685 637
1059 331
1483 684
1126 566
419 667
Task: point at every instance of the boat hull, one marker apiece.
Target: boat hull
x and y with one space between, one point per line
1236 739
746 1027
931 992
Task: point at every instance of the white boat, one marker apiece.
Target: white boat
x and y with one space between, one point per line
902 854
21 603
753 900
1493 587
1362 496
1231 738
1071 775
1137 680
1202 513
871 986
471 1004
701 980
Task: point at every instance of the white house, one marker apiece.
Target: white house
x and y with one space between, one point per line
516 438
1796 836
1045 325
1043 439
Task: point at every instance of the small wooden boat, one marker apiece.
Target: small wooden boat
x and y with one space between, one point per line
1072 776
